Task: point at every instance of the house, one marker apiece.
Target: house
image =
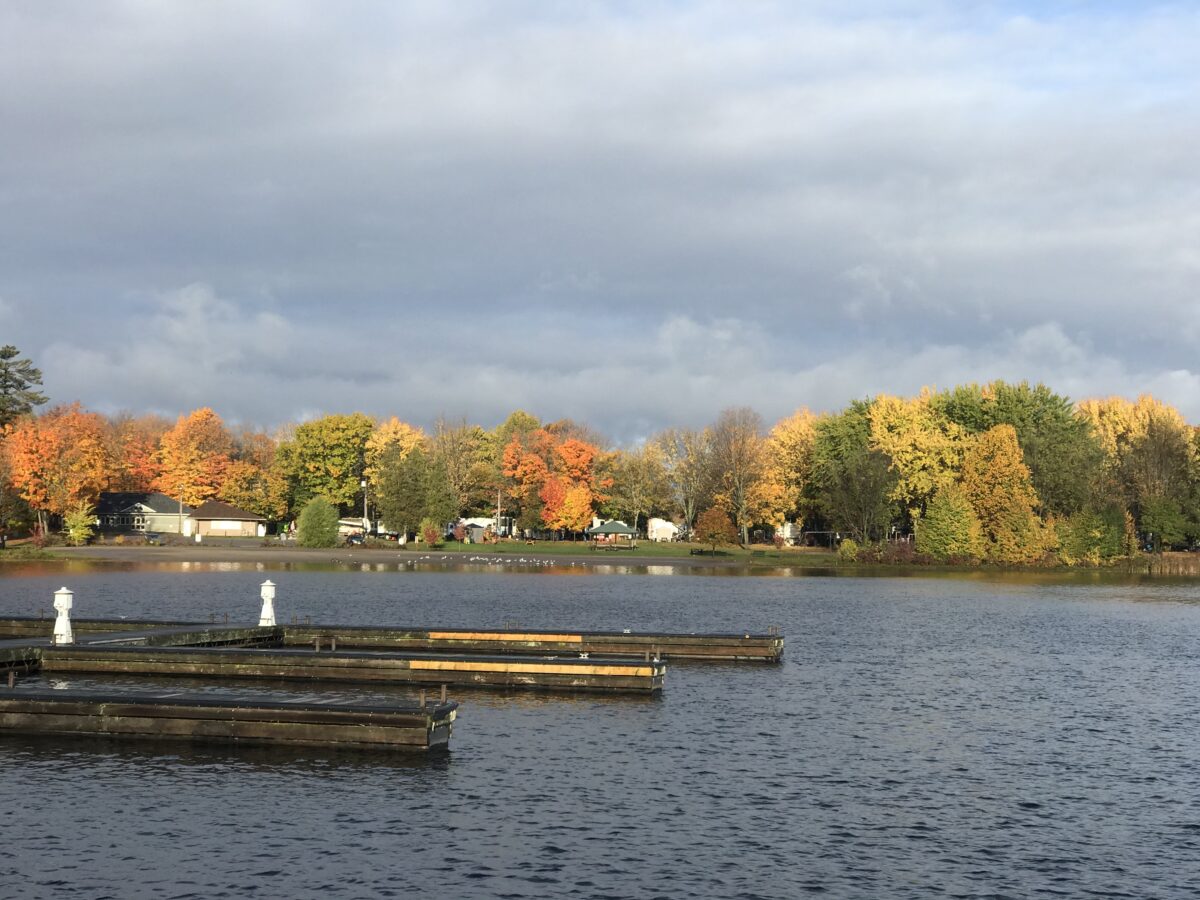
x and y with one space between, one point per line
661 530
136 512
219 519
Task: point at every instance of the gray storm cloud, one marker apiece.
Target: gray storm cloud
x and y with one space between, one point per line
630 217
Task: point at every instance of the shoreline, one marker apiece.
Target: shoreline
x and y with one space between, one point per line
209 554
606 563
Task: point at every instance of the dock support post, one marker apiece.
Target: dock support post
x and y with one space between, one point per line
333 643
443 693
267 616
422 698
12 679
317 644
62 625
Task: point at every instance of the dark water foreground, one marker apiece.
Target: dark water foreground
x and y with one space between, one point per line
924 738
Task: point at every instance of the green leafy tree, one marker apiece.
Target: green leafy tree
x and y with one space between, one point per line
18 379
853 482
949 528
80 524
1058 445
326 458
1164 522
713 526
1091 536
403 488
318 524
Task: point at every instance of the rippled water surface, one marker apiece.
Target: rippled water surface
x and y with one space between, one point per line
923 738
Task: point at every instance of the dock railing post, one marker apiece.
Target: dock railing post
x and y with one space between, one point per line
267 616
62 625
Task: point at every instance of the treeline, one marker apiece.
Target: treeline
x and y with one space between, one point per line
1005 473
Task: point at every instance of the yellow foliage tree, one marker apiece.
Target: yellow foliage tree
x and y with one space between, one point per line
790 449
998 486
194 455
924 446
391 433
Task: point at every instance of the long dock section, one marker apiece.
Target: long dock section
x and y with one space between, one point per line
567 673
708 647
207 718
739 647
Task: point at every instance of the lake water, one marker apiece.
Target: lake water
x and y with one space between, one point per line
925 737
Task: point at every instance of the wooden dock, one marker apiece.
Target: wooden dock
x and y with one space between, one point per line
560 674
707 647
418 728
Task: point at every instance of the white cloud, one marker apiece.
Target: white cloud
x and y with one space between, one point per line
630 217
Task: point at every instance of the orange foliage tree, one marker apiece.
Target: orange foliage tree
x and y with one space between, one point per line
194 456
134 443
556 477
60 461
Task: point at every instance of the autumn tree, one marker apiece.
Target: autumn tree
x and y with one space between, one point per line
58 461
462 452
194 456
999 487
546 467
713 526
1058 445
923 446
739 457
688 459
325 458
134 446
639 483
255 489
1152 459
790 450
18 380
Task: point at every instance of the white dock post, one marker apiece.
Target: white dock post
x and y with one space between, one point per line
267 616
62 625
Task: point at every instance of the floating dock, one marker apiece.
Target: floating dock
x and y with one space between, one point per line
419 728
734 647
563 674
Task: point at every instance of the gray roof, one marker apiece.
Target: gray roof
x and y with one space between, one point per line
612 526
115 503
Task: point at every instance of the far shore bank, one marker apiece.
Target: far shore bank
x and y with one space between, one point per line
733 560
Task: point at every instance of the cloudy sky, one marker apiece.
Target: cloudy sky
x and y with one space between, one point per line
632 214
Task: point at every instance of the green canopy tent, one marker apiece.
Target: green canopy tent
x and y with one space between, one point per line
611 528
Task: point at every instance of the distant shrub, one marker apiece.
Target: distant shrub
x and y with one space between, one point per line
318 524
847 550
431 532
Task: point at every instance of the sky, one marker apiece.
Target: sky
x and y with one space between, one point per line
629 214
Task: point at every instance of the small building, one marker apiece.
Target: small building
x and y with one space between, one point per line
790 532
216 518
136 512
661 530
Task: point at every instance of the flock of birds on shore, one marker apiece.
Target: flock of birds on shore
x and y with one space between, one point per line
485 560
